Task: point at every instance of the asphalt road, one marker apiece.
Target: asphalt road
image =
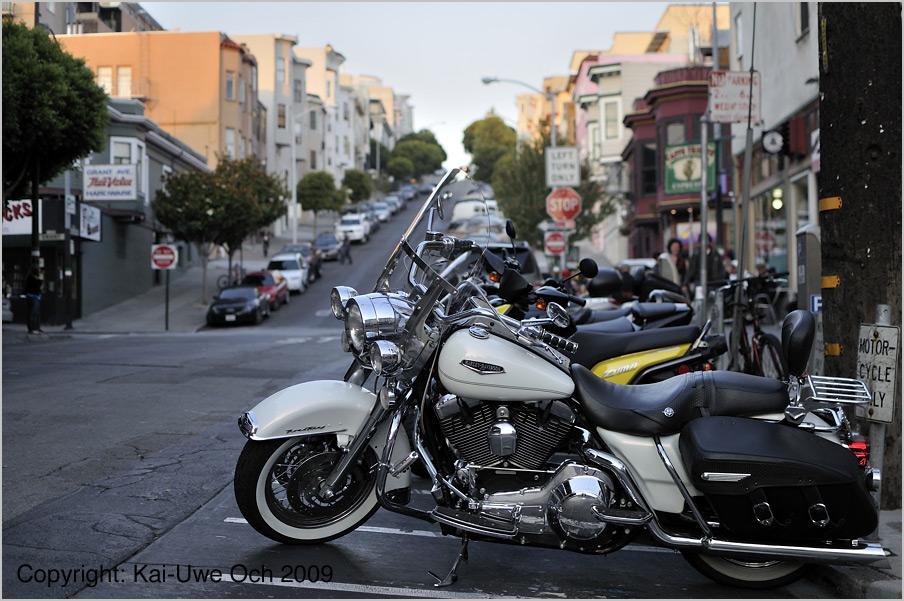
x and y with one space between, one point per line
117 478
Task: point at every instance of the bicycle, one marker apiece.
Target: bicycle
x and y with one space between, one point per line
761 353
225 280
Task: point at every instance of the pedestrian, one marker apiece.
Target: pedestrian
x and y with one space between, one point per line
345 251
715 268
266 242
676 252
34 284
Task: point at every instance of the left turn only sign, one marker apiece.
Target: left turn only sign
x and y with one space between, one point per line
164 256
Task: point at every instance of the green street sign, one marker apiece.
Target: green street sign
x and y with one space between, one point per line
684 168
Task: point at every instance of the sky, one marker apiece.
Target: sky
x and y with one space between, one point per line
435 52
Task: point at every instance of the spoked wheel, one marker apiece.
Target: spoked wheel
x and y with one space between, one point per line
747 574
772 361
277 488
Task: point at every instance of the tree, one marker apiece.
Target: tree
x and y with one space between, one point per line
317 192
221 207
488 140
425 157
860 164
384 155
358 183
53 111
400 168
519 183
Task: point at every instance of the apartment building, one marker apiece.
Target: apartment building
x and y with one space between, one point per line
783 188
282 89
82 17
323 80
605 86
209 102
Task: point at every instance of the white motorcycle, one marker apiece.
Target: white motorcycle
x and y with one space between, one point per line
752 479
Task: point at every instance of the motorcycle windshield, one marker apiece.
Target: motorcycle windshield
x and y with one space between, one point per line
427 254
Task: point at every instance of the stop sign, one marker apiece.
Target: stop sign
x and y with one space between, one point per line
555 243
163 256
563 204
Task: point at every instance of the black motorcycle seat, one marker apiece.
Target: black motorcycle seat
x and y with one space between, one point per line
595 346
649 311
665 407
586 315
622 325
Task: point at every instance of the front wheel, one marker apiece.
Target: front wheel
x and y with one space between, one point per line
747 574
277 484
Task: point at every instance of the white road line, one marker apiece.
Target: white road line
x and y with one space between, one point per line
371 529
432 534
381 591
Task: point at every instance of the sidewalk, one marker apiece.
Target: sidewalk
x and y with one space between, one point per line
146 313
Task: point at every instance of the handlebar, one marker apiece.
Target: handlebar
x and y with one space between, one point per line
556 342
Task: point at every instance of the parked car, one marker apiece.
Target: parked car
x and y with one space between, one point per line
355 225
383 211
327 245
408 192
426 189
293 268
395 202
310 256
367 208
239 304
274 285
7 309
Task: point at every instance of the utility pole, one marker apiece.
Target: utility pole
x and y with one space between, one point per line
859 185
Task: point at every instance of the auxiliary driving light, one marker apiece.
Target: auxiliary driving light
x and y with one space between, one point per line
384 357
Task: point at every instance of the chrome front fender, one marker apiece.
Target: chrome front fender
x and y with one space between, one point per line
323 407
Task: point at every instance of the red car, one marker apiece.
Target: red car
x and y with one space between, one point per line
274 285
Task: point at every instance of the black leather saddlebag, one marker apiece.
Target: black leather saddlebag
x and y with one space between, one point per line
771 481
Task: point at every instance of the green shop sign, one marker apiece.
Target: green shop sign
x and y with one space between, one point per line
684 168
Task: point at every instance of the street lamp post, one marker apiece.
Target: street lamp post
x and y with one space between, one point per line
551 96
294 172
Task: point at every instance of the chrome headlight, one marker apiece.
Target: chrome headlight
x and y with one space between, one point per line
338 299
375 316
354 326
384 357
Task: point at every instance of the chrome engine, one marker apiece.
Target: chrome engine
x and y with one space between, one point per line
514 435
507 459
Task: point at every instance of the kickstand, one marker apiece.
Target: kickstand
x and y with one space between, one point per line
452 576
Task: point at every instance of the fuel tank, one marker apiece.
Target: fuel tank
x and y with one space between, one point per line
488 367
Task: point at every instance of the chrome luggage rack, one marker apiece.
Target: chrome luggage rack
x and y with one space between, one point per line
838 391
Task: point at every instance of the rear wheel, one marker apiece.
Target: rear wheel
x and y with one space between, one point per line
277 485
772 362
747 574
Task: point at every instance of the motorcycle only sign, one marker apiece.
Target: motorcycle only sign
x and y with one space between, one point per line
877 366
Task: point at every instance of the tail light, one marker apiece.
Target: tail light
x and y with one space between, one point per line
683 369
860 447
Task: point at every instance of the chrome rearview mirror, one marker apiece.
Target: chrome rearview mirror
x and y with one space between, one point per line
558 315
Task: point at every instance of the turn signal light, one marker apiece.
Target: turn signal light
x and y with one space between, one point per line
495 277
541 304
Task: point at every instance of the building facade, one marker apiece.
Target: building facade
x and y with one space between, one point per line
111 228
216 118
282 90
783 190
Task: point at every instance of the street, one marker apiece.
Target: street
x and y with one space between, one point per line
118 478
